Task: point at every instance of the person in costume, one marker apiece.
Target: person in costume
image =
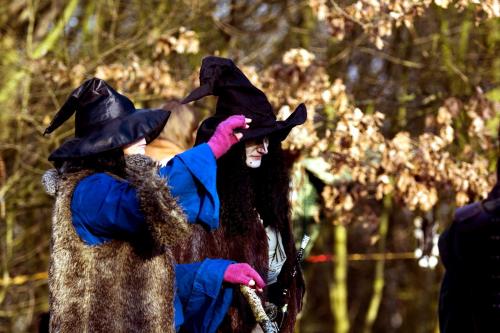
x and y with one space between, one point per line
115 219
253 185
469 298
178 134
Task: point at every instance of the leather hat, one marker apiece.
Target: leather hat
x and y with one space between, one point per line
104 120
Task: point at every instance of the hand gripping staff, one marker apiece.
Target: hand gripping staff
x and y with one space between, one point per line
246 276
267 325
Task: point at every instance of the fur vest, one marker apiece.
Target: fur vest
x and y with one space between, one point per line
117 286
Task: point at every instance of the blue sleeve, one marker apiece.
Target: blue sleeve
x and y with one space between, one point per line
204 300
192 178
184 279
105 208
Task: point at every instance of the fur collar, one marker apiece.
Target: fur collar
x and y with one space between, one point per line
166 220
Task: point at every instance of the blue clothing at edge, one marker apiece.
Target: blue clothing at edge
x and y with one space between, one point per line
105 208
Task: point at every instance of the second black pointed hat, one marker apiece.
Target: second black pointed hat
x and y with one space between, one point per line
237 95
104 120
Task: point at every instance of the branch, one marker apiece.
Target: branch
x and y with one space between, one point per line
346 15
391 58
54 35
22 279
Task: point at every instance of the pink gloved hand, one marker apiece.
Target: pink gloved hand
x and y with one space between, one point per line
224 136
243 274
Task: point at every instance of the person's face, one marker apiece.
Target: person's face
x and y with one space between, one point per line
254 150
135 148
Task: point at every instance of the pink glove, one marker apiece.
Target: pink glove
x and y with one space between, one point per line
224 136
243 274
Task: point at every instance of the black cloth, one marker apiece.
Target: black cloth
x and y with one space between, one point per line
104 120
470 251
238 96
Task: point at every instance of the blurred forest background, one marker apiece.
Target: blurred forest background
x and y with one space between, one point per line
403 99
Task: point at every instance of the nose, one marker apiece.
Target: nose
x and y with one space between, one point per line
262 149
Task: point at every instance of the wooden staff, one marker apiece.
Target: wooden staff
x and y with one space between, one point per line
267 325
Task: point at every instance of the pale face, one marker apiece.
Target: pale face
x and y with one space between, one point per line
255 150
135 148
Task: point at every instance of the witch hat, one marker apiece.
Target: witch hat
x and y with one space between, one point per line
104 120
236 95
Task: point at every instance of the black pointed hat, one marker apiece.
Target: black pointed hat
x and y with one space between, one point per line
220 77
104 120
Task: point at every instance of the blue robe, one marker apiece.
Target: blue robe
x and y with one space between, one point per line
104 208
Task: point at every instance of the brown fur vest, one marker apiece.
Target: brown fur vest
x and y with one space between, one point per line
116 286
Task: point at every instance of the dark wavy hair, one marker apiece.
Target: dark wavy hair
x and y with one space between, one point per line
247 193
112 161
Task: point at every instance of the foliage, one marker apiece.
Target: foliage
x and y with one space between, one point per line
378 19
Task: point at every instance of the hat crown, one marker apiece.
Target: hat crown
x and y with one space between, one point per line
95 103
98 104
220 74
237 95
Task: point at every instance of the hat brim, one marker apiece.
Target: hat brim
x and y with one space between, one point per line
143 123
196 94
279 130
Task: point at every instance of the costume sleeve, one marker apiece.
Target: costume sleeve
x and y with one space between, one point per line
105 208
192 178
205 301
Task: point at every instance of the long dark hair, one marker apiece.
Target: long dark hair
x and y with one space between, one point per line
246 193
112 161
